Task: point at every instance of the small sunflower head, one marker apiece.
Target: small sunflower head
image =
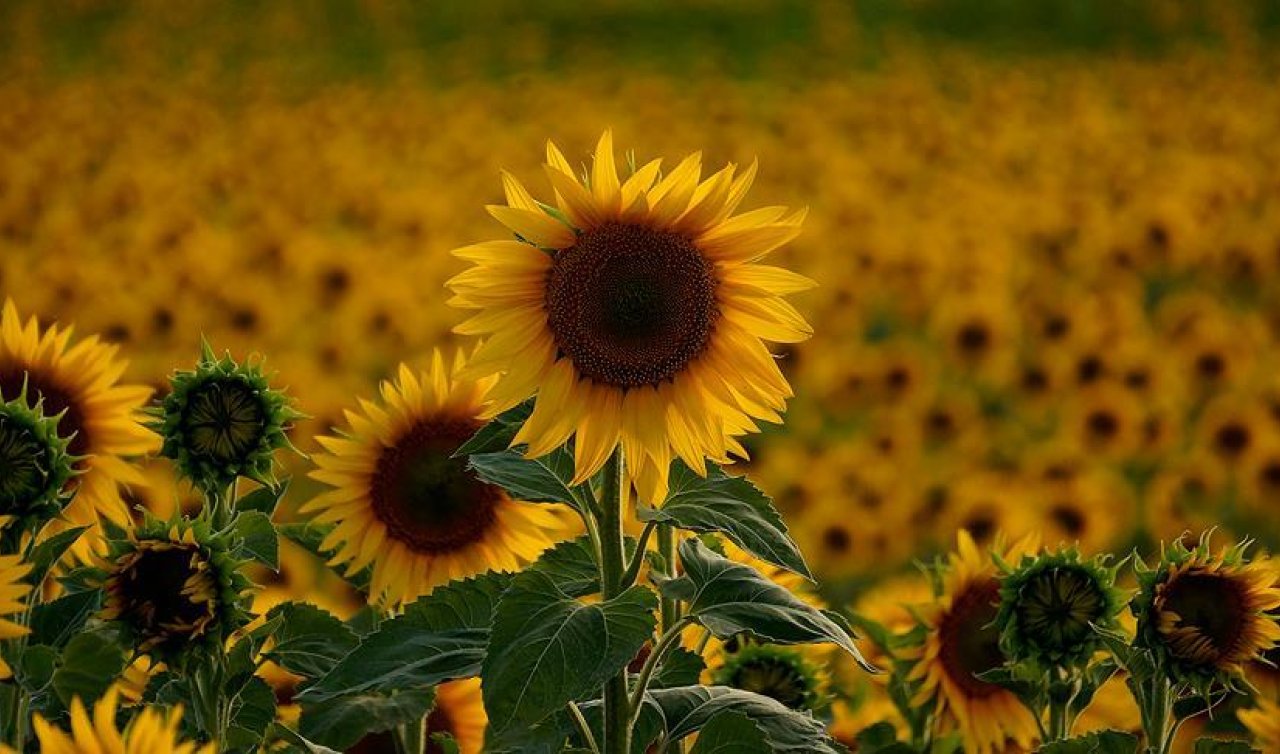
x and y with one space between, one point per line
1205 616
35 466
222 421
174 587
1050 604
783 674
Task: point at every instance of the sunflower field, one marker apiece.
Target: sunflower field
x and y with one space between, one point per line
686 377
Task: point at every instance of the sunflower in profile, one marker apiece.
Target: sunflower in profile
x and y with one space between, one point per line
151 731
1204 615
637 310
12 592
404 504
101 415
793 676
962 642
459 711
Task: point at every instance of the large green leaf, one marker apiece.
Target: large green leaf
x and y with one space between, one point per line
309 641
49 551
730 733
680 667
498 433
731 506
340 722
548 649
90 662
54 623
684 711
440 637
731 598
257 538
264 499
572 566
536 480
252 712
1100 742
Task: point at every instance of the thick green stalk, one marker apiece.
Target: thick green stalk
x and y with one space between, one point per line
667 549
617 731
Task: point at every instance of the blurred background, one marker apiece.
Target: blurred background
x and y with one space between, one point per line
1047 233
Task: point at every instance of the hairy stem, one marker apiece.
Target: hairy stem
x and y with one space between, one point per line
617 731
667 549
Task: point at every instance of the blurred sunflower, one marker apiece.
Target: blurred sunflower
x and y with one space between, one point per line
796 677
150 732
637 312
12 592
1263 722
404 504
101 419
962 643
459 711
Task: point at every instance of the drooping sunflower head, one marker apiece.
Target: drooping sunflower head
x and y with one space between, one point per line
784 674
174 587
99 417
151 731
961 643
1204 615
402 503
222 421
637 310
35 467
12 593
1050 605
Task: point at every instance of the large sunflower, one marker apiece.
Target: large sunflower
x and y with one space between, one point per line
963 642
404 504
101 416
636 310
150 732
12 592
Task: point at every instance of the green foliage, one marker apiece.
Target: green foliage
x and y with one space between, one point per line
54 623
1218 746
45 554
309 537
730 598
548 649
687 710
1101 742
256 538
264 500
536 480
90 662
341 721
731 506
309 641
730 733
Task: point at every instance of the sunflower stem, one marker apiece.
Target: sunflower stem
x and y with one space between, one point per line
670 607
411 738
617 731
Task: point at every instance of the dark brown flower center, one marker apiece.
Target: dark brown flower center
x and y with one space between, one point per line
970 643
631 305
427 499
778 678
1214 607
56 400
153 592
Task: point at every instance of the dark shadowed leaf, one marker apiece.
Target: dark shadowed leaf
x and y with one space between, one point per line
309 641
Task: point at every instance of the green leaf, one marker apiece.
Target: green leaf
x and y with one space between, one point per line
54 623
730 598
309 641
308 536
45 554
1100 742
290 736
731 733
731 506
258 538
443 743
498 433
548 649
679 668
264 499
685 711
252 712
876 737
35 667
572 566
535 480
90 662
1091 680
340 722
440 637
1216 746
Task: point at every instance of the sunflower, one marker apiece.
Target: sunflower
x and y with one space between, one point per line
1204 615
961 643
150 731
34 466
173 585
793 676
100 419
404 504
459 711
12 591
1263 722
637 312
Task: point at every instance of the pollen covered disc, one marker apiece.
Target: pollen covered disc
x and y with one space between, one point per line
631 305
